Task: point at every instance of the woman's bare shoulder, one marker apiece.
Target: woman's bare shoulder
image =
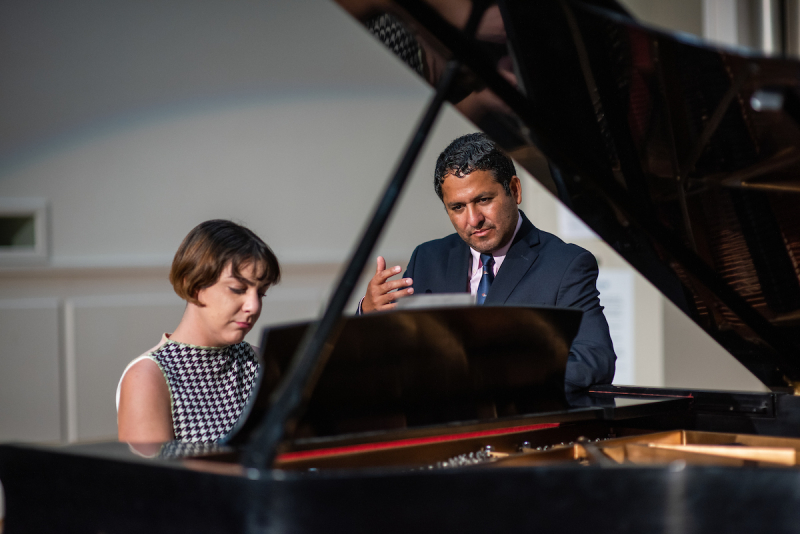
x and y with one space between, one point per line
145 409
145 370
144 382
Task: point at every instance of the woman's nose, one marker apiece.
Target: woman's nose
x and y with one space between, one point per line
252 303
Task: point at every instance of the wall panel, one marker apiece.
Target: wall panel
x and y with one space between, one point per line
30 388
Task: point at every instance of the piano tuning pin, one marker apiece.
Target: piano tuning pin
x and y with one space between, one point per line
488 448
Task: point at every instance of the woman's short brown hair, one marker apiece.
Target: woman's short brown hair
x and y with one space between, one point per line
207 250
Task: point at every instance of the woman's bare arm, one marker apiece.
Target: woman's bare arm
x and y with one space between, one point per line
145 414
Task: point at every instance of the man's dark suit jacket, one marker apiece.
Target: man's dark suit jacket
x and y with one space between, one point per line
539 269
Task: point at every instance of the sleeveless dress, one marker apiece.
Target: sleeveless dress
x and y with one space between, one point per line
209 387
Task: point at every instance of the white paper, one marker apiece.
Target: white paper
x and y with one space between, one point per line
616 296
435 300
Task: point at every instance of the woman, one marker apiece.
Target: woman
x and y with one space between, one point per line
194 384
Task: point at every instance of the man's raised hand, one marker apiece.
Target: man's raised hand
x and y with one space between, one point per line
381 294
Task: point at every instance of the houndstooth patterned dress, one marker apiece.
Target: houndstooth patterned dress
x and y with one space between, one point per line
209 387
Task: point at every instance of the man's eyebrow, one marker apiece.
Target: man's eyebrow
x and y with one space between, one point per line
477 196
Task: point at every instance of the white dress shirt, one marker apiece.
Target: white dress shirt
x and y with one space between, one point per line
476 266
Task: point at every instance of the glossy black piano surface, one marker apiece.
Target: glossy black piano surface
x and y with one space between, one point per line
684 158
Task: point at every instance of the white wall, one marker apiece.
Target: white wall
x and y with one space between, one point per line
675 15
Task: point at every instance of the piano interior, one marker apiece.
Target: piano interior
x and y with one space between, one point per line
602 447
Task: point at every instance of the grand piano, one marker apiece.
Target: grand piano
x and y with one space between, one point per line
681 156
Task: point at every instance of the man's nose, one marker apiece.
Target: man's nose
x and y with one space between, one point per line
474 216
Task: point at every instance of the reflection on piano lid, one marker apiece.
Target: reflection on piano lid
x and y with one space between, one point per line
684 158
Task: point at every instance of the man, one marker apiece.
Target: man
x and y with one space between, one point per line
500 257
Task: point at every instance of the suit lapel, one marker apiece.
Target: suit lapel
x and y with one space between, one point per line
456 280
519 259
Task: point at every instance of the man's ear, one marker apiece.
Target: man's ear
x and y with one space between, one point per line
516 188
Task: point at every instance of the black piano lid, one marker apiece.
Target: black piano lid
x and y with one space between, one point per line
406 373
432 366
656 142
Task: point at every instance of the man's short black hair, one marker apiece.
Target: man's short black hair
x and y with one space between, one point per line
473 152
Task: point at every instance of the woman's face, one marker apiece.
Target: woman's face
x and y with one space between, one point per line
231 306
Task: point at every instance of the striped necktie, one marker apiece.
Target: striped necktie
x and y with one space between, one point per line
486 279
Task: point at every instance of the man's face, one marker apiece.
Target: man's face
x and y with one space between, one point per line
482 213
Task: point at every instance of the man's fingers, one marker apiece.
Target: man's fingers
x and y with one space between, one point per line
390 290
396 284
382 276
402 293
389 300
382 292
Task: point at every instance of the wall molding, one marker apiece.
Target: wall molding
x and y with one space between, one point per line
29 303
70 377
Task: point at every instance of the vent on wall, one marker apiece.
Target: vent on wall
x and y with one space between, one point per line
23 230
